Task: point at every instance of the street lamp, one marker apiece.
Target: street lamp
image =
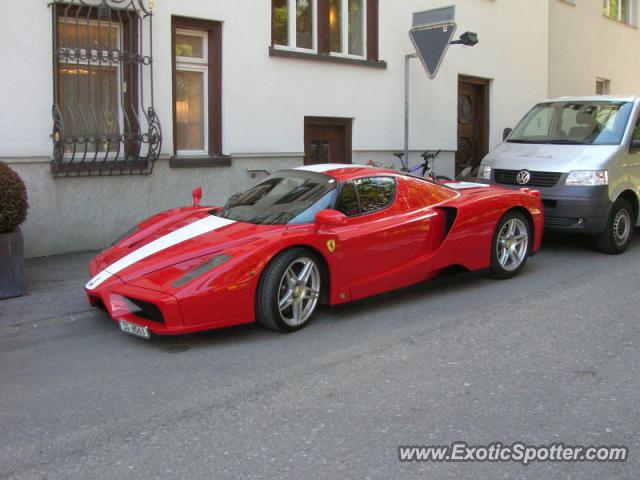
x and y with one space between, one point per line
468 39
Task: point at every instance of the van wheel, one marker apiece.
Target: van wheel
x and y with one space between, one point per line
617 235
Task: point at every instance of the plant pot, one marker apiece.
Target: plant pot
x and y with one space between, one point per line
12 282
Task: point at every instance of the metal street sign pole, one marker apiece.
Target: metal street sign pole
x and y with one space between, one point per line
407 64
430 34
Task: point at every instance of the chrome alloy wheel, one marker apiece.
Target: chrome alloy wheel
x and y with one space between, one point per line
299 291
512 244
621 227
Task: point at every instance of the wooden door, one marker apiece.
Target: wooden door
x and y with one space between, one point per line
327 140
473 124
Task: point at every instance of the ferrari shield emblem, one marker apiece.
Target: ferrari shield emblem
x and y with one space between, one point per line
331 245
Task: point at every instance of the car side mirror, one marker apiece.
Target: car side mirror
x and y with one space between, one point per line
330 217
506 132
635 144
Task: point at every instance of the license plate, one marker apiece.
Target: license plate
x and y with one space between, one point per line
134 329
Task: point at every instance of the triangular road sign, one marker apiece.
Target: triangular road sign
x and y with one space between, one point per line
431 42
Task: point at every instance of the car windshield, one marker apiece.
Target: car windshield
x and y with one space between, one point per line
574 123
287 197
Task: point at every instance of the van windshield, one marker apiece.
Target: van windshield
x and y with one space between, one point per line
574 123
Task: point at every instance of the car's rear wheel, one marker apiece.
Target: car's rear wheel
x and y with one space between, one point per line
289 291
510 247
619 230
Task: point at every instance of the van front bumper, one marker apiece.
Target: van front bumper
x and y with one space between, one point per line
583 209
572 209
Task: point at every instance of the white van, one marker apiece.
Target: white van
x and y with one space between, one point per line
583 154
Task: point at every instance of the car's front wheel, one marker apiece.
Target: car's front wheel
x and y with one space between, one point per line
289 291
511 243
619 230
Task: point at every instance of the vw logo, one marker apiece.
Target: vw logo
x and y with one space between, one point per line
523 177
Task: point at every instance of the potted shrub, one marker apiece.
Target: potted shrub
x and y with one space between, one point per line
13 211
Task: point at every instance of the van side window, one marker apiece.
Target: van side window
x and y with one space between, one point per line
636 131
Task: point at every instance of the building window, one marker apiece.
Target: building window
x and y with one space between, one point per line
103 120
346 28
85 88
603 86
192 99
197 87
620 10
292 23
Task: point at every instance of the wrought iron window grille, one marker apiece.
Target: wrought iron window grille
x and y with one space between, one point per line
104 122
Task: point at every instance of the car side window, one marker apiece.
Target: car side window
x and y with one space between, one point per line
348 200
366 195
375 193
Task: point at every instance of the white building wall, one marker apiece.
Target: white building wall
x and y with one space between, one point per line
512 53
585 45
265 100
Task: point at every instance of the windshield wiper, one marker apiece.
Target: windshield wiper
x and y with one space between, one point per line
566 142
549 142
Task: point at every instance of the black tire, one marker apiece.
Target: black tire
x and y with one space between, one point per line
269 290
619 230
498 269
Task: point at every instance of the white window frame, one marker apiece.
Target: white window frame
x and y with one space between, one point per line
631 5
344 31
292 28
606 86
201 65
86 63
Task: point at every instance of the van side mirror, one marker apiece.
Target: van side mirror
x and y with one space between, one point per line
506 132
635 144
330 217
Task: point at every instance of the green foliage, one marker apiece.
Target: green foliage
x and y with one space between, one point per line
13 199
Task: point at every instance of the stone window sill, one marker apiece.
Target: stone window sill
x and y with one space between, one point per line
319 57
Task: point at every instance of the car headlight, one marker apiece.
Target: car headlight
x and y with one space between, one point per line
587 178
484 172
201 269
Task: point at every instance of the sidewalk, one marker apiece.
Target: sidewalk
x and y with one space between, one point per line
54 293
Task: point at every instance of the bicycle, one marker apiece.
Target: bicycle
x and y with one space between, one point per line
429 157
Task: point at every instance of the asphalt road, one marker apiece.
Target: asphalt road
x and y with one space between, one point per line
550 356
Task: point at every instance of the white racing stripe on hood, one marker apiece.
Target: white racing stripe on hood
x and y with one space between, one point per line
195 229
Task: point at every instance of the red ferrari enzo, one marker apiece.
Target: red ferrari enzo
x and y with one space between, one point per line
319 234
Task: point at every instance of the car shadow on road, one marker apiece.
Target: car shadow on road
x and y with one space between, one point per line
455 281
450 281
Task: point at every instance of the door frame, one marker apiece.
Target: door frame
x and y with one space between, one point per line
485 84
346 123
